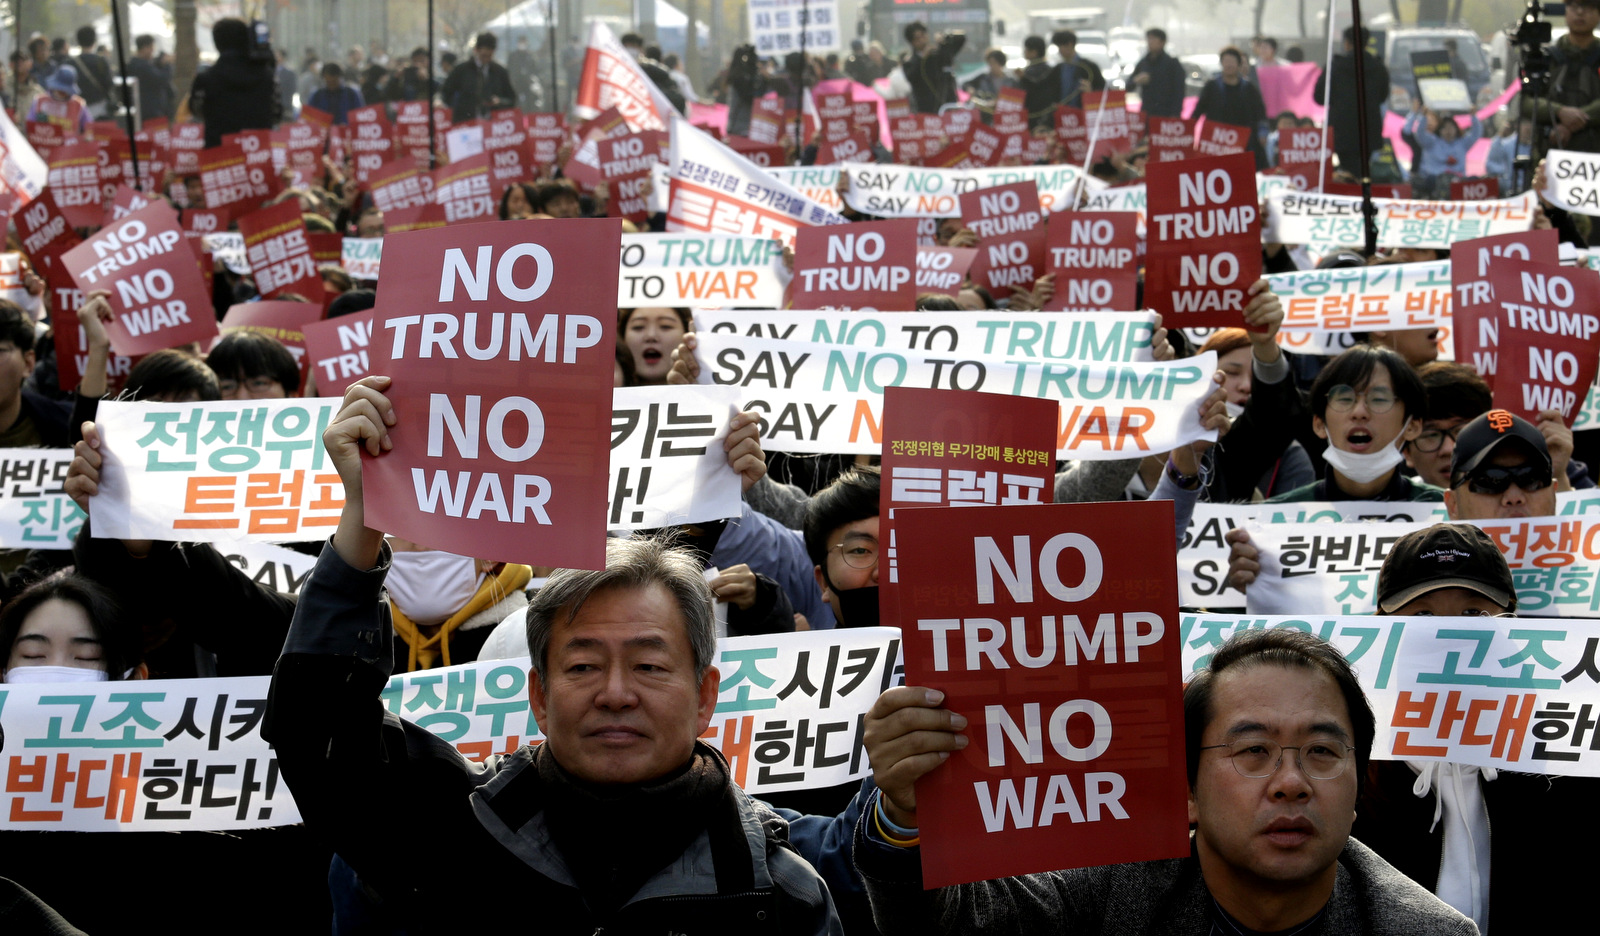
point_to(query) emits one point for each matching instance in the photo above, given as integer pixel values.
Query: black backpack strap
(730, 848)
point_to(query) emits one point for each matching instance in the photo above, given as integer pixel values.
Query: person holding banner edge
(1271, 847)
(622, 686)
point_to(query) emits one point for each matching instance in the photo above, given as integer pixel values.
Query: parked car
(1401, 42)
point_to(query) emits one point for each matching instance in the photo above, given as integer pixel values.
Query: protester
(650, 335)
(238, 92)
(60, 104)
(1233, 99)
(927, 67)
(253, 366)
(1343, 105)
(1501, 469)
(1272, 849)
(1075, 73)
(94, 75)
(988, 84)
(67, 629)
(27, 418)
(156, 97)
(1443, 155)
(480, 86)
(1159, 78)
(335, 97)
(516, 204)
(411, 83)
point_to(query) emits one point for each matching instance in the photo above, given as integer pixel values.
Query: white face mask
(429, 587)
(18, 675)
(1367, 467)
(1234, 410)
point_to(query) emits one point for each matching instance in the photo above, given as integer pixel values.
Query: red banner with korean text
(230, 182)
(502, 390)
(279, 253)
(75, 180)
(462, 189)
(1076, 753)
(1204, 229)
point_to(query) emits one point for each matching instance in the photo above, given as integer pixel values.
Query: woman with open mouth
(648, 336)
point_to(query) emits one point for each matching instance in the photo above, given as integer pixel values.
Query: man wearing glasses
(1279, 734)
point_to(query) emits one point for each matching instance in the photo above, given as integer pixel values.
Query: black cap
(1445, 555)
(1480, 438)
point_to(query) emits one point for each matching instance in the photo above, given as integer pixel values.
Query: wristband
(1179, 478)
(895, 835)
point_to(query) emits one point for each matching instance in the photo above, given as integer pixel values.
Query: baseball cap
(1445, 555)
(1480, 438)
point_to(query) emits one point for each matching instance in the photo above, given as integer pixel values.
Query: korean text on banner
(502, 390)
(1572, 181)
(942, 448)
(1549, 337)
(1335, 220)
(867, 265)
(667, 463)
(698, 270)
(1205, 240)
(117, 762)
(1107, 410)
(776, 26)
(35, 511)
(612, 78)
(279, 254)
(717, 191)
(1077, 750)
(158, 297)
(218, 471)
(1490, 692)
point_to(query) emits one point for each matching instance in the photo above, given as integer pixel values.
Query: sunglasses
(1528, 478)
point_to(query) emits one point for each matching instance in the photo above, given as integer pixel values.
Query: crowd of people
(623, 820)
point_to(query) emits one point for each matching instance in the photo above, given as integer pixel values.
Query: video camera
(261, 43)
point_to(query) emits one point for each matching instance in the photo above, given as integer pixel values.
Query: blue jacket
(1439, 157)
(779, 553)
(338, 103)
(1501, 160)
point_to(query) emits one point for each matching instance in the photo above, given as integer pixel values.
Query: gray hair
(633, 563)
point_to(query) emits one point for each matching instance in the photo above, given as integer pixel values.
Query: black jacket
(353, 767)
(1344, 110)
(1239, 105)
(234, 95)
(1163, 95)
(469, 96)
(155, 88)
(932, 85)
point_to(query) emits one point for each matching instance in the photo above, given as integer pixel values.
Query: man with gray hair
(622, 820)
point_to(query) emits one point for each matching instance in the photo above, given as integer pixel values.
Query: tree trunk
(1302, 17)
(1260, 7)
(185, 46)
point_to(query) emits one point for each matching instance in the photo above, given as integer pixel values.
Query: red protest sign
(857, 266)
(762, 154)
(508, 165)
(1305, 154)
(336, 351)
(958, 448)
(230, 182)
(1171, 138)
(371, 140)
(158, 297)
(1106, 115)
(1474, 189)
(1054, 631)
(1073, 131)
(462, 189)
(198, 222)
(1204, 240)
(282, 320)
(257, 146)
(1011, 238)
(1474, 313)
(110, 169)
(44, 230)
(125, 201)
(1549, 336)
(942, 269)
(503, 442)
(399, 184)
(1220, 139)
(906, 134)
(546, 132)
(854, 148)
(280, 258)
(75, 180)
(625, 164)
(504, 130)
(1010, 113)
(986, 145)
(304, 142)
(72, 344)
(413, 218)
(1093, 257)
(188, 142)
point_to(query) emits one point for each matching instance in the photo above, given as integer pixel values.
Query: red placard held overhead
(625, 164)
(125, 201)
(1009, 223)
(257, 146)
(1204, 240)
(158, 296)
(956, 448)
(462, 189)
(75, 180)
(869, 265)
(1010, 113)
(502, 354)
(1305, 155)
(188, 142)
(1549, 336)
(942, 269)
(508, 165)
(1474, 313)
(279, 253)
(1474, 189)
(337, 351)
(762, 154)
(1220, 139)
(399, 184)
(1093, 256)
(371, 140)
(1171, 139)
(504, 130)
(72, 344)
(230, 182)
(304, 142)
(44, 230)
(414, 218)
(546, 132)
(1054, 631)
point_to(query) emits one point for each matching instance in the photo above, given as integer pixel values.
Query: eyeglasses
(1343, 398)
(1258, 758)
(253, 384)
(1495, 480)
(1432, 439)
(858, 554)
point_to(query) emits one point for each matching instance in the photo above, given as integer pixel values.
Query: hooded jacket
(353, 766)
(236, 94)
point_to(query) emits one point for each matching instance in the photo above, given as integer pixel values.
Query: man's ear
(822, 582)
(1194, 809)
(1450, 504)
(1319, 427)
(537, 700)
(710, 683)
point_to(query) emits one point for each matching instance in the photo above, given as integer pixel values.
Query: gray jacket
(1151, 897)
